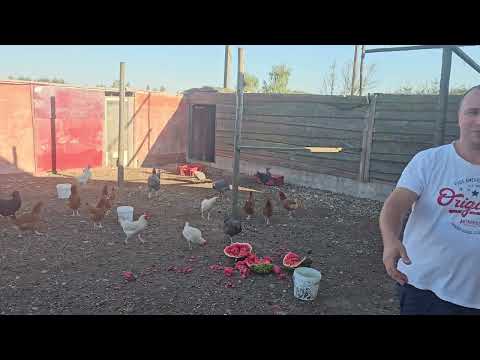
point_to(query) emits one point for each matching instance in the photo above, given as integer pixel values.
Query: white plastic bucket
(125, 213)
(306, 281)
(64, 191)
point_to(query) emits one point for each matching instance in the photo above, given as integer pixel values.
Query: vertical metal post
(443, 97)
(228, 64)
(238, 129)
(53, 132)
(362, 59)
(354, 70)
(121, 122)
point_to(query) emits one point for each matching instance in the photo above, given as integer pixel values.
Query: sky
(186, 66)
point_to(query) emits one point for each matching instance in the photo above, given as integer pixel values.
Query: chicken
(97, 213)
(221, 186)
(74, 200)
(105, 190)
(193, 235)
(289, 205)
(264, 177)
(106, 200)
(268, 211)
(153, 183)
(86, 175)
(207, 205)
(30, 220)
(249, 206)
(231, 227)
(11, 206)
(132, 228)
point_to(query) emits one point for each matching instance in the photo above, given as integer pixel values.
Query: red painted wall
(16, 130)
(166, 116)
(79, 127)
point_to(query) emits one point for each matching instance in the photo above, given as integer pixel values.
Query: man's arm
(397, 205)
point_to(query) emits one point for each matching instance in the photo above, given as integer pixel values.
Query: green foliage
(277, 80)
(251, 83)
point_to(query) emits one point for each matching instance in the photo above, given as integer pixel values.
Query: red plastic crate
(189, 169)
(275, 180)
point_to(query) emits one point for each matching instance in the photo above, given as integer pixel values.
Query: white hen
(132, 228)
(193, 235)
(207, 205)
(86, 175)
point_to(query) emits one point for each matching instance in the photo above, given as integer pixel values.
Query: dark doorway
(202, 142)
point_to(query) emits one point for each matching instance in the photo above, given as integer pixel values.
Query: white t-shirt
(442, 235)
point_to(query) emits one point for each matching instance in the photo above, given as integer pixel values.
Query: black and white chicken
(264, 177)
(153, 183)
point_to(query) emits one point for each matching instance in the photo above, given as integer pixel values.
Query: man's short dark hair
(476, 87)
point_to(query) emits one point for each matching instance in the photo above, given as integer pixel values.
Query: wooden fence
(379, 133)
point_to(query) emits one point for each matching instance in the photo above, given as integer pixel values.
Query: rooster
(153, 183)
(30, 220)
(207, 205)
(193, 235)
(231, 227)
(268, 211)
(97, 213)
(11, 206)
(74, 200)
(132, 228)
(249, 206)
(290, 205)
(86, 175)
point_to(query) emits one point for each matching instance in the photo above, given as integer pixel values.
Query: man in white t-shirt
(437, 266)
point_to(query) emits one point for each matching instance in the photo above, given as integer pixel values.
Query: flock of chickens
(231, 226)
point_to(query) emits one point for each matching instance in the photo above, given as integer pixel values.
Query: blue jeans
(414, 301)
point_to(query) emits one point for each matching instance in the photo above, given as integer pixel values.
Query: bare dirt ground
(75, 269)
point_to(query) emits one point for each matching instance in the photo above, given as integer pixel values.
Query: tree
(278, 80)
(23, 78)
(431, 87)
(251, 83)
(368, 79)
(329, 81)
(54, 80)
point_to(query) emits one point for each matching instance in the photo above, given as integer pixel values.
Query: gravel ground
(74, 269)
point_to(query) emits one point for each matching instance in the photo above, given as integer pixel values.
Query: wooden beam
(443, 98)
(354, 71)
(367, 142)
(312, 149)
(228, 64)
(362, 60)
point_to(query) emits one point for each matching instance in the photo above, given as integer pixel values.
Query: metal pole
(405, 48)
(462, 55)
(362, 59)
(121, 122)
(443, 98)
(354, 71)
(53, 132)
(228, 64)
(238, 129)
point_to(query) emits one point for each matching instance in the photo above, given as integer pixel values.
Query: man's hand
(391, 254)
